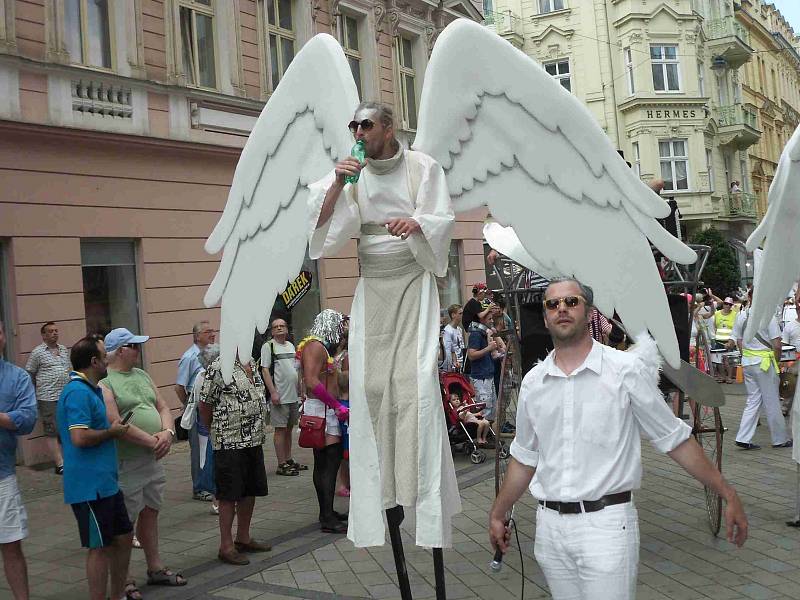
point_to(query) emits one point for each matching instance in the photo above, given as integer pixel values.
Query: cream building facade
(121, 122)
(666, 80)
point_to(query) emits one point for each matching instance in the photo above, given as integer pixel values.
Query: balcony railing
(740, 205)
(735, 114)
(503, 23)
(726, 27)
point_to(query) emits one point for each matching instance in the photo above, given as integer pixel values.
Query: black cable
(521, 559)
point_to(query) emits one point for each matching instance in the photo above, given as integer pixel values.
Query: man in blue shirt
(188, 368)
(480, 348)
(17, 417)
(90, 470)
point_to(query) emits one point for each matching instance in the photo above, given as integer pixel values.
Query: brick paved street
(679, 558)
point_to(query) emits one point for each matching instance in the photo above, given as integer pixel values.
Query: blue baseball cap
(116, 338)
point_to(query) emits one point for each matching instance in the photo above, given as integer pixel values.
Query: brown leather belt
(575, 508)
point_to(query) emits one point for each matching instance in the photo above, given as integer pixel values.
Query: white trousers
(589, 556)
(762, 390)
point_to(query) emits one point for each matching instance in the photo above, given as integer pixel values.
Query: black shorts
(240, 473)
(100, 521)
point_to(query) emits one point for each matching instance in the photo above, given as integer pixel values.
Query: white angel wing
(510, 137)
(781, 227)
(298, 138)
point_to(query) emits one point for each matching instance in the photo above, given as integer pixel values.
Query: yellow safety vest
(723, 325)
(767, 358)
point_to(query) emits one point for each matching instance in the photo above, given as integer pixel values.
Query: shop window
(559, 69)
(281, 36)
(110, 288)
(666, 75)
(87, 32)
(352, 48)
(449, 286)
(546, 6)
(408, 81)
(674, 164)
(197, 42)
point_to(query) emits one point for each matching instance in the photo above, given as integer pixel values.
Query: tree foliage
(722, 272)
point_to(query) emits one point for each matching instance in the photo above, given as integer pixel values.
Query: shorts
(484, 392)
(316, 408)
(101, 520)
(142, 481)
(47, 417)
(240, 473)
(13, 516)
(284, 415)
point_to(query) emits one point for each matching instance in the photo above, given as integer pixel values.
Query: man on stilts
(400, 209)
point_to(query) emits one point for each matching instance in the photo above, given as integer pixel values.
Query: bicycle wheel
(708, 432)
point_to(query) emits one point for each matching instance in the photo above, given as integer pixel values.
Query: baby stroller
(462, 435)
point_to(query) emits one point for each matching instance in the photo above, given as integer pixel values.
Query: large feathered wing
(298, 138)
(511, 138)
(780, 262)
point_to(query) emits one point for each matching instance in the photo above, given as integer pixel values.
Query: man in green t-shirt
(128, 389)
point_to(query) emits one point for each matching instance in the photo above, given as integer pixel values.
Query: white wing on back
(511, 138)
(298, 138)
(781, 228)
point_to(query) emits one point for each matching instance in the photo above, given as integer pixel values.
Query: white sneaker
(136, 543)
(214, 508)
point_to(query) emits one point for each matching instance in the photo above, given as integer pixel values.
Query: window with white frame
(281, 36)
(627, 56)
(637, 159)
(666, 74)
(87, 32)
(449, 286)
(710, 169)
(197, 42)
(701, 78)
(352, 48)
(559, 69)
(408, 77)
(674, 164)
(546, 6)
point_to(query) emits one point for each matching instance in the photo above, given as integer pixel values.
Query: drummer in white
(760, 357)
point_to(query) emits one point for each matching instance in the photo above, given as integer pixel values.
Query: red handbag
(312, 432)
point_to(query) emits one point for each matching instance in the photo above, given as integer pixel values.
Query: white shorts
(13, 517)
(316, 408)
(142, 481)
(484, 392)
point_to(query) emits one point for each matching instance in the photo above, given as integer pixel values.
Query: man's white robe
(415, 188)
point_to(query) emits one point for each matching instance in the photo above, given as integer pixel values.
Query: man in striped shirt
(48, 366)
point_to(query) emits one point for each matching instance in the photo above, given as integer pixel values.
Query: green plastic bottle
(359, 153)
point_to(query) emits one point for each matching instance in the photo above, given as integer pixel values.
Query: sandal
(296, 465)
(286, 470)
(165, 577)
(131, 591)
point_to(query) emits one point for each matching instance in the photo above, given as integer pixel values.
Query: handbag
(312, 432)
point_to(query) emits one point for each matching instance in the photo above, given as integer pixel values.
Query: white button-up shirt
(581, 431)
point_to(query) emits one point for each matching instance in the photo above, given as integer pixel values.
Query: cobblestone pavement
(679, 557)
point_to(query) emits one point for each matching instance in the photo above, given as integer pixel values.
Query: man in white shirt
(760, 358)
(577, 446)
(280, 377)
(453, 339)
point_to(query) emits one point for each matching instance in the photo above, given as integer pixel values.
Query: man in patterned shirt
(236, 413)
(48, 365)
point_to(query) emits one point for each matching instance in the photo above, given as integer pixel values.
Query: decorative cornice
(380, 17)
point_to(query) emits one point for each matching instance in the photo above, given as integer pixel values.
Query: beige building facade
(121, 122)
(666, 80)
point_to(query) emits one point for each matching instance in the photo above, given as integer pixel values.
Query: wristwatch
(172, 431)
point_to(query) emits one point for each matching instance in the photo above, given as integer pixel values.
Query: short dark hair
(453, 309)
(46, 325)
(84, 350)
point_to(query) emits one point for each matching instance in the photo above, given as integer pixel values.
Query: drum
(734, 358)
(716, 355)
(788, 353)
(788, 385)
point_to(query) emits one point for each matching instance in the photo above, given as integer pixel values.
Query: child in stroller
(464, 423)
(466, 416)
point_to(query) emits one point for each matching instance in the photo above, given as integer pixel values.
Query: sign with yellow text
(297, 289)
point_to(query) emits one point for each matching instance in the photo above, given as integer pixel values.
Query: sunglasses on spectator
(569, 302)
(365, 125)
(133, 346)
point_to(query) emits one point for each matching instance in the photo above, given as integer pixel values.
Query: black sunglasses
(365, 125)
(133, 346)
